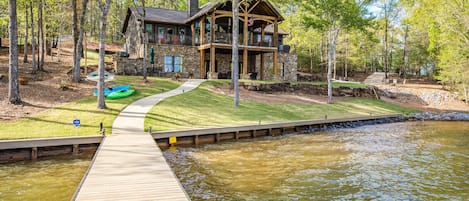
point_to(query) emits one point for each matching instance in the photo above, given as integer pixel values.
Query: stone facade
(287, 66)
(133, 39)
(134, 66)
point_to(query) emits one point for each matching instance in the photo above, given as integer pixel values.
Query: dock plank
(129, 165)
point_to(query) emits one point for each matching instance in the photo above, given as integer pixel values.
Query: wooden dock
(129, 165)
(219, 134)
(31, 149)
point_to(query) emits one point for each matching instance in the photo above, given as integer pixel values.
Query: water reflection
(54, 178)
(410, 161)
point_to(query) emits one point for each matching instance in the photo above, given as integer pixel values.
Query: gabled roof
(166, 16)
(156, 15)
(203, 10)
(264, 5)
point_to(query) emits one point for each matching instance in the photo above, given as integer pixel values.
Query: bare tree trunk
(346, 56)
(334, 32)
(145, 43)
(311, 61)
(321, 62)
(235, 56)
(75, 33)
(78, 36)
(13, 86)
(102, 34)
(385, 41)
(406, 58)
(33, 42)
(41, 38)
(25, 48)
(59, 42)
(390, 51)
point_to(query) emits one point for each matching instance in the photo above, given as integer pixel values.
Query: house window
(172, 63)
(149, 28)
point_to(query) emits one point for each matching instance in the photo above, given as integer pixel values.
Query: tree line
(332, 37)
(406, 37)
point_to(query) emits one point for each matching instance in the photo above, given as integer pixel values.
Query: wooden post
(202, 63)
(212, 59)
(193, 33)
(75, 149)
(202, 30)
(245, 62)
(237, 135)
(262, 67)
(275, 42)
(212, 31)
(196, 140)
(34, 153)
(245, 42)
(217, 137)
(270, 132)
(253, 133)
(262, 34)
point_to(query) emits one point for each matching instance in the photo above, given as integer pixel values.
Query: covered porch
(212, 32)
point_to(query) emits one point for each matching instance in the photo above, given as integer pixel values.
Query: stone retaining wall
(369, 92)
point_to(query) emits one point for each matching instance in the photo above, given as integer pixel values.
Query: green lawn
(58, 121)
(203, 108)
(93, 58)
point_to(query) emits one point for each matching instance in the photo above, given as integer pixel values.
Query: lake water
(54, 178)
(398, 161)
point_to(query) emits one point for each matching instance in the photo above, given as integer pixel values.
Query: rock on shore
(452, 116)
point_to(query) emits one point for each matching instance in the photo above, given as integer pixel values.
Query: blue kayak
(109, 90)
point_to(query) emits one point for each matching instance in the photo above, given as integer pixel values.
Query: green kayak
(120, 94)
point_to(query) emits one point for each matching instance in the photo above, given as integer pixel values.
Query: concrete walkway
(375, 79)
(129, 165)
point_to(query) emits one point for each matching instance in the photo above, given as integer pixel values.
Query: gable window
(172, 63)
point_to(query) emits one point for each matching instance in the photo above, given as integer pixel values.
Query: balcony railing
(220, 37)
(172, 39)
(226, 38)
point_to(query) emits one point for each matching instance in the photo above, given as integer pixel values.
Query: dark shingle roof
(161, 15)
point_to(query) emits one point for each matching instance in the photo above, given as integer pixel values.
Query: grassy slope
(203, 108)
(58, 121)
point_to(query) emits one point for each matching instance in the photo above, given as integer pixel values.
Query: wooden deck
(129, 165)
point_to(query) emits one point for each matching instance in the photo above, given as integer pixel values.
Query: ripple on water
(54, 178)
(405, 161)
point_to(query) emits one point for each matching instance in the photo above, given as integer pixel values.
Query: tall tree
(40, 25)
(332, 16)
(25, 48)
(76, 68)
(33, 40)
(78, 34)
(235, 55)
(104, 7)
(13, 86)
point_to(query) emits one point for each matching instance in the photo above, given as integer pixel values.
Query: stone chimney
(192, 7)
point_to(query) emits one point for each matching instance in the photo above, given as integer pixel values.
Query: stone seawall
(452, 116)
(368, 92)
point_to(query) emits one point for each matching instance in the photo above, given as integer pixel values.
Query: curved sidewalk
(129, 165)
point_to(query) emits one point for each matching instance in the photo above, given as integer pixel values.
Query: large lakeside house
(198, 42)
